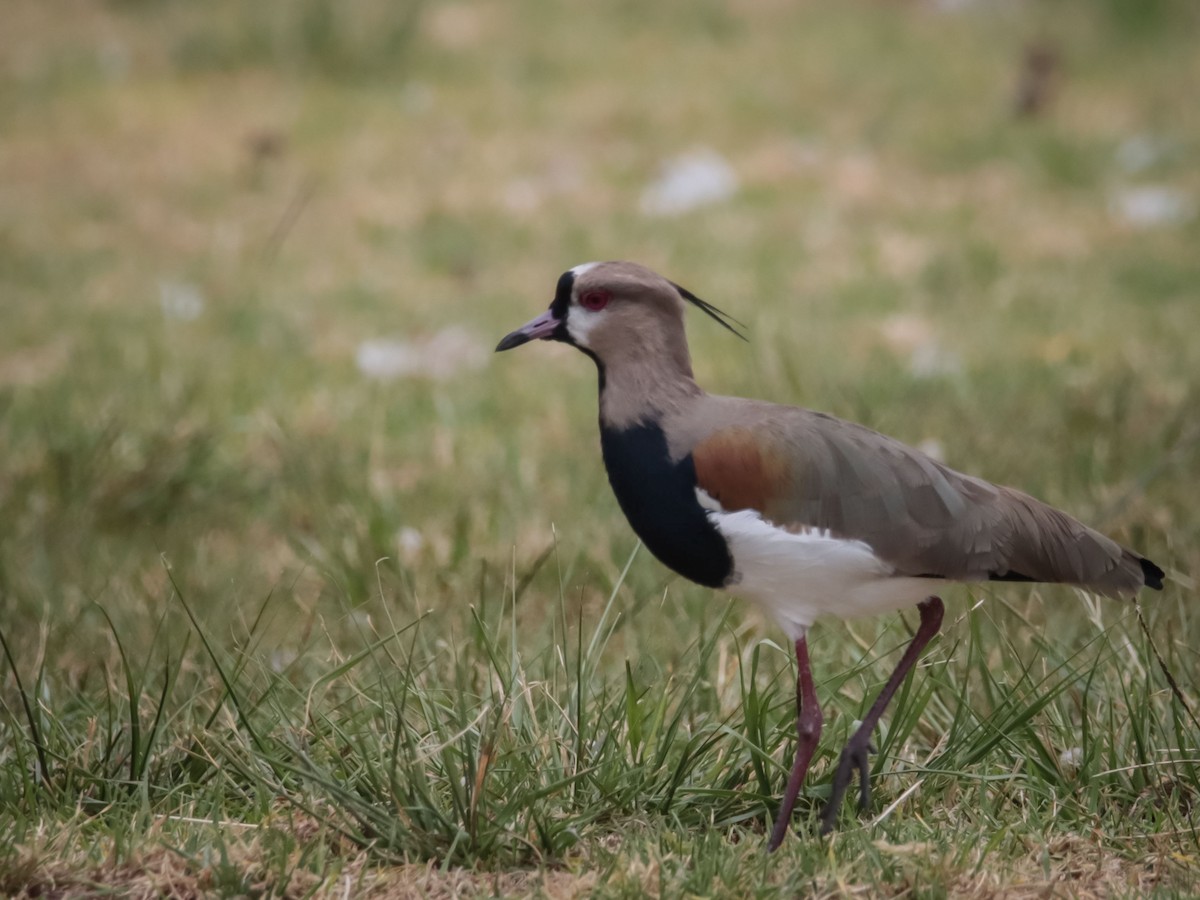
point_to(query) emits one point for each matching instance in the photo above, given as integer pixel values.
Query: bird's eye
(594, 300)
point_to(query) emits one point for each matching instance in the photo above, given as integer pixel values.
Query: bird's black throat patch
(658, 497)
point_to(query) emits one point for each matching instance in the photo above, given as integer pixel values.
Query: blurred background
(254, 258)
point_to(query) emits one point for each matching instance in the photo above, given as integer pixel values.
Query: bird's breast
(658, 496)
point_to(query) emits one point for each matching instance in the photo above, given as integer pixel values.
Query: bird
(805, 514)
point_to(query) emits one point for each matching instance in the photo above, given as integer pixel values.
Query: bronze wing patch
(741, 469)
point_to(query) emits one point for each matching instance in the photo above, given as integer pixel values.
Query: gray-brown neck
(644, 377)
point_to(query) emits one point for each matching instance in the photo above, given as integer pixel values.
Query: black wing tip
(1152, 573)
(723, 318)
(1010, 576)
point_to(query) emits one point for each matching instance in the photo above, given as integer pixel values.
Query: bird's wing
(804, 469)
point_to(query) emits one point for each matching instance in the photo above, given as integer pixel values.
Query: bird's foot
(854, 756)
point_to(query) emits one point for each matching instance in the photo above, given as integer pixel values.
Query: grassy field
(275, 626)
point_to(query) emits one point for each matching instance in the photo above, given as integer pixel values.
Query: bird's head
(617, 313)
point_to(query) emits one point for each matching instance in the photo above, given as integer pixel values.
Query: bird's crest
(720, 316)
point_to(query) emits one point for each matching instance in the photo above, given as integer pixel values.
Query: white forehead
(583, 268)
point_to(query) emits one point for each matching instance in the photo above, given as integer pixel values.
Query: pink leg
(855, 754)
(808, 727)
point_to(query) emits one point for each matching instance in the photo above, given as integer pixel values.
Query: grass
(271, 627)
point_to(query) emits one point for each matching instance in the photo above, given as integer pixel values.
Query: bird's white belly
(797, 575)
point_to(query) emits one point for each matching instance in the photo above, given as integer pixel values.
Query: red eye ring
(595, 300)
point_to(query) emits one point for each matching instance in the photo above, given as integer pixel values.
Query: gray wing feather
(922, 517)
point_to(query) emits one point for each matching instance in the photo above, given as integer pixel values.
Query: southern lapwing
(803, 513)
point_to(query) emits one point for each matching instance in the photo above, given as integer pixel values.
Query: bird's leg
(854, 756)
(808, 729)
